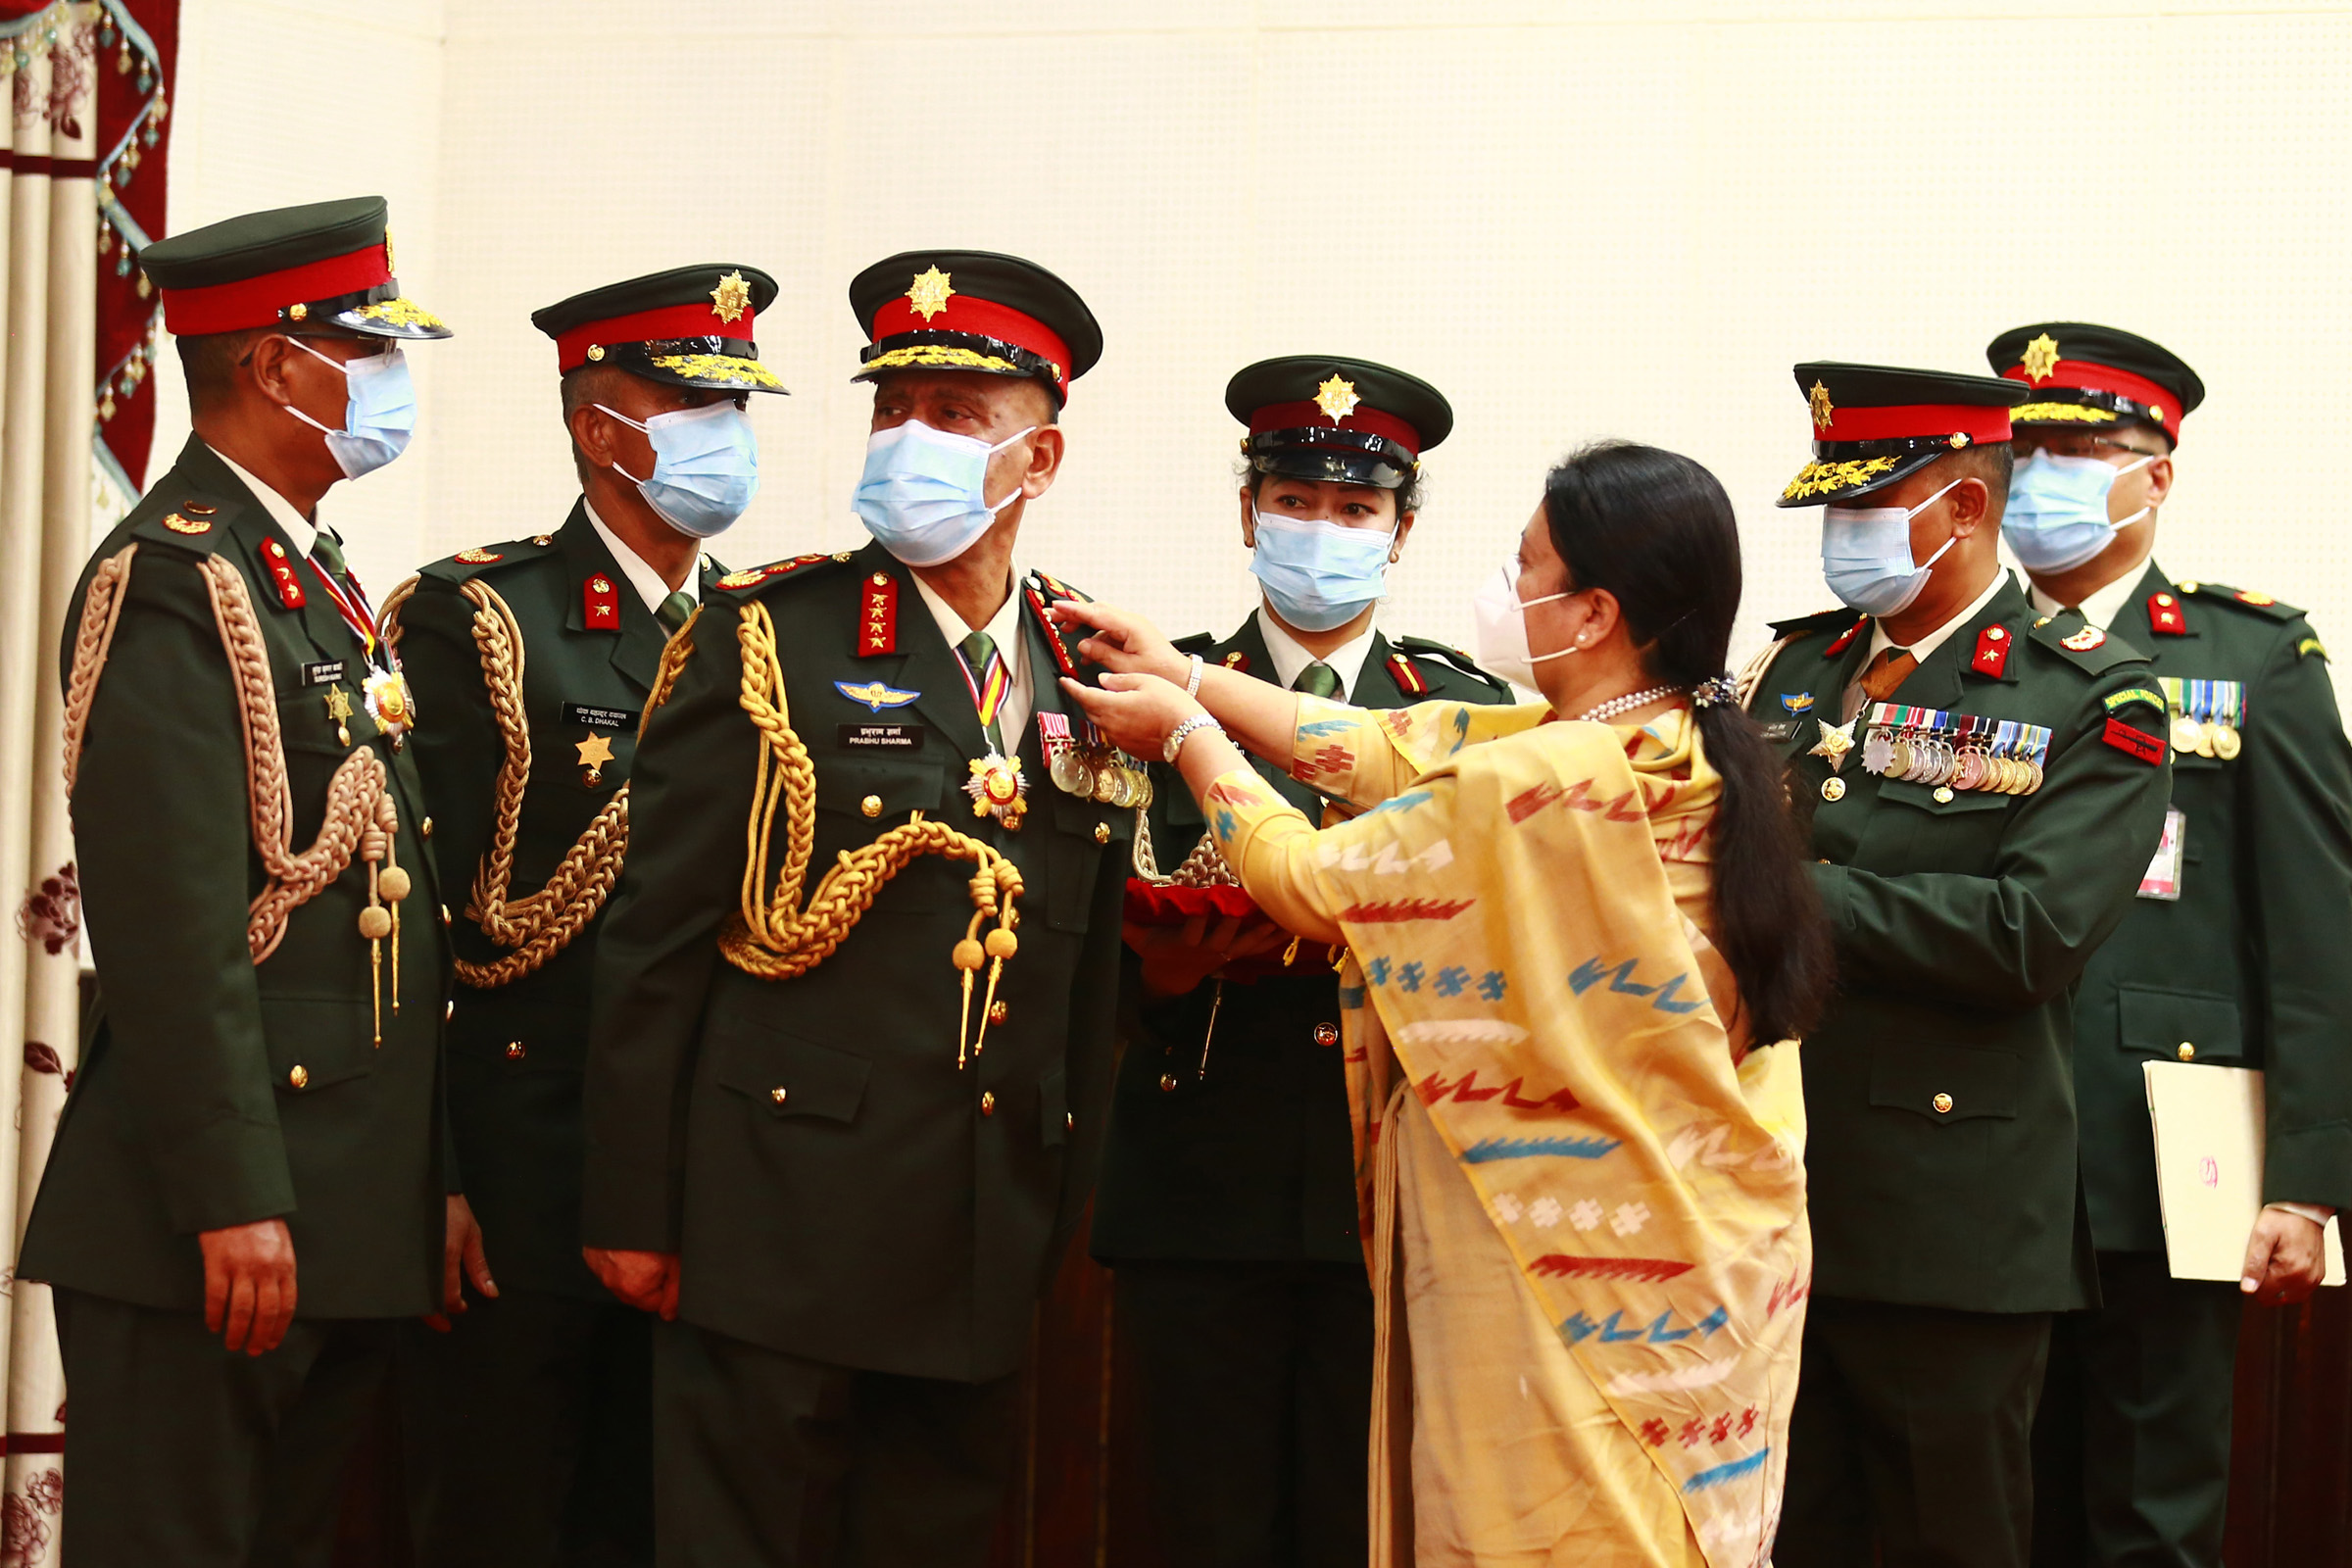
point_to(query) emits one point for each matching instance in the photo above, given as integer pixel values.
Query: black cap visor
(378, 312)
(1331, 455)
(1846, 470)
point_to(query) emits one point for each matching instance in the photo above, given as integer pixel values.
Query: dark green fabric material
(1961, 927)
(251, 244)
(1909, 1447)
(185, 1453)
(182, 1117)
(877, 1218)
(1257, 1385)
(1252, 1158)
(528, 1434)
(2249, 964)
(517, 1115)
(763, 1458)
(2132, 1439)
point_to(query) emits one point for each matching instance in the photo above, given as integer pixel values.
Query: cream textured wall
(1580, 219)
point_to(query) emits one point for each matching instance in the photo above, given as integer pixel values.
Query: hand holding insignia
(1122, 642)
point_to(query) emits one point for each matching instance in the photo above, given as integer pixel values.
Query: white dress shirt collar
(1290, 658)
(1921, 647)
(651, 585)
(1005, 630)
(2101, 605)
(301, 532)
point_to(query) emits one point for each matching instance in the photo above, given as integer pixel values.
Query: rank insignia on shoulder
(878, 618)
(1408, 679)
(1992, 652)
(1036, 601)
(2247, 596)
(2133, 743)
(1796, 702)
(600, 603)
(189, 525)
(1238, 660)
(2083, 641)
(753, 576)
(2164, 615)
(874, 695)
(477, 556)
(1846, 638)
(281, 572)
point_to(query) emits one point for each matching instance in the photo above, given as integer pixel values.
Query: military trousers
(527, 1435)
(185, 1453)
(2132, 1442)
(1258, 1408)
(767, 1460)
(1910, 1446)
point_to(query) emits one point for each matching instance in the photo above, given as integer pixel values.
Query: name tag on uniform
(599, 717)
(882, 737)
(325, 673)
(1779, 729)
(2163, 880)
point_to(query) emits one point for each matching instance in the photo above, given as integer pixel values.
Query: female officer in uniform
(1227, 1205)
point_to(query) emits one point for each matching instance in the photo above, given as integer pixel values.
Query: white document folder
(2209, 1131)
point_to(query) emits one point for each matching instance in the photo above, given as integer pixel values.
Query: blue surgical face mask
(922, 493)
(1866, 555)
(2057, 514)
(379, 419)
(706, 466)
(1319, 574)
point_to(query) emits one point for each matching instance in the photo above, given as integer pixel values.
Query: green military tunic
(215, 1091)
(838, 1187)
(1244, 1156)
(1940, 1142)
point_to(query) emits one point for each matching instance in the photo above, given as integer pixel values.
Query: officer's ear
(1044, 461)
(592, 434)
(2159, 477)
(269, 361)
(1970, 502)
(1249, 512)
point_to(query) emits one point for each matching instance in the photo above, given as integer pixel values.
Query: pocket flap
(315, 1042)
(1924, 796)
(2178, 1025)
(846, 784)
(1944, 1083)
(796, 1077)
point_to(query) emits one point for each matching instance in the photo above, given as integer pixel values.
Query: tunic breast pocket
(317, 1042)
(882, 792)
(1922, 828)
(2179, 1025)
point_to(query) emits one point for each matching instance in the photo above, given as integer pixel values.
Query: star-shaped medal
(594, 751)
(1336, 398)
(2040, 358)
(929, 293)
(1836, 741)
(731, 298)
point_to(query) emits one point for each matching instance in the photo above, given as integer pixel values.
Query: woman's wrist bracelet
(1184, 733)
(1191, 679)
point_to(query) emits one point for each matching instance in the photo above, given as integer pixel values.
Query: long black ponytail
(1656, 531)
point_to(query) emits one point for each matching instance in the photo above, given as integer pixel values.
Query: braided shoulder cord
(771, 936)
(93, 639)
(1744, 683)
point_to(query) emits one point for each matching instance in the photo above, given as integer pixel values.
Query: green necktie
(673, 611)
(979, 651)
(329, 555)
(1317, 679)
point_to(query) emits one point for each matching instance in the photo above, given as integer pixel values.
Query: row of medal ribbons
(1956, 751)
(2207, 715)
(1092, 769)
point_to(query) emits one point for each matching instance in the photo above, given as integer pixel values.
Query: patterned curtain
(86, 84)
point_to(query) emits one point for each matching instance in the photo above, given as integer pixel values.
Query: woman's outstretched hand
(1137, 712)
(1122, 641)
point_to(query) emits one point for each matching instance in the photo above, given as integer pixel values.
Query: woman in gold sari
(1579, 945)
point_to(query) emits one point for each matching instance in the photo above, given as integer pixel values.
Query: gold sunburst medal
(1818, 400)
(2040, 358)
(930, 292)
(1336, 398)
(731, 298)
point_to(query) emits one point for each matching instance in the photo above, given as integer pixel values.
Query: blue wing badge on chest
(875, 694)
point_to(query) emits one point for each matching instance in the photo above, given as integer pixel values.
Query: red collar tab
(589, 339)
(1236, 661)
(966, 313)
(1992, 652)
(1846, 640)
(878, 620)
(2164, 615)
(599, 596)
(2082, 375)
(283, 572)
(256, 301)
(1309, 415)
(1036, 601)
(1408, 676)
(1959, 423)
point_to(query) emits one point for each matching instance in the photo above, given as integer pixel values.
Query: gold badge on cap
(731, 298)
(179, 524)
(1336, 399)
(2040, 358)
(388, 266)
(930, 292)
(1818, 400)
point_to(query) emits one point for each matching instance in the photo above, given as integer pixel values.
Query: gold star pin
(2040, 358)
(1819, 401)
(594, 751)
(929, 293)
(1336, 399)
(731, 298)
(388, 266)
(1836, 741)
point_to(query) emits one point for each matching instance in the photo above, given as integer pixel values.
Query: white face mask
(1866, 555)
(1502, 620)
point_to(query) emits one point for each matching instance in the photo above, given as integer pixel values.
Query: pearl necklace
(1626, 704)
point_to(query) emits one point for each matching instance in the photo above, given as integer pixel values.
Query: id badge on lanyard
(2163, 880)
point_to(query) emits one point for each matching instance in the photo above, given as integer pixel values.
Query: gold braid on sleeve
(771, 936)
(542, 924)
(360, 816)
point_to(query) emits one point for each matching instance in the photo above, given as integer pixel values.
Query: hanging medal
(384, 690)
(1065, 763)
(997, 785)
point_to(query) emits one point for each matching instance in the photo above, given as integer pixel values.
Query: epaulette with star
(1039, 593)
(2260, 604)
(470, 563)
(2090, 649)
(775, 572)
(1840, 619)
(198, 523)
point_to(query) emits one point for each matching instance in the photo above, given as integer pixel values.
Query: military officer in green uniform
(248, 1189)
(528, 1424)
(853, 1039)
(1984, 784)
(1228, 1198)
(2234, 954)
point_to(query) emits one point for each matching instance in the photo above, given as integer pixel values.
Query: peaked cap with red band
(1874, 425)
(2082, 377)
(974, 310)
(689, 326)
(323, 265)
(1340, 420)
